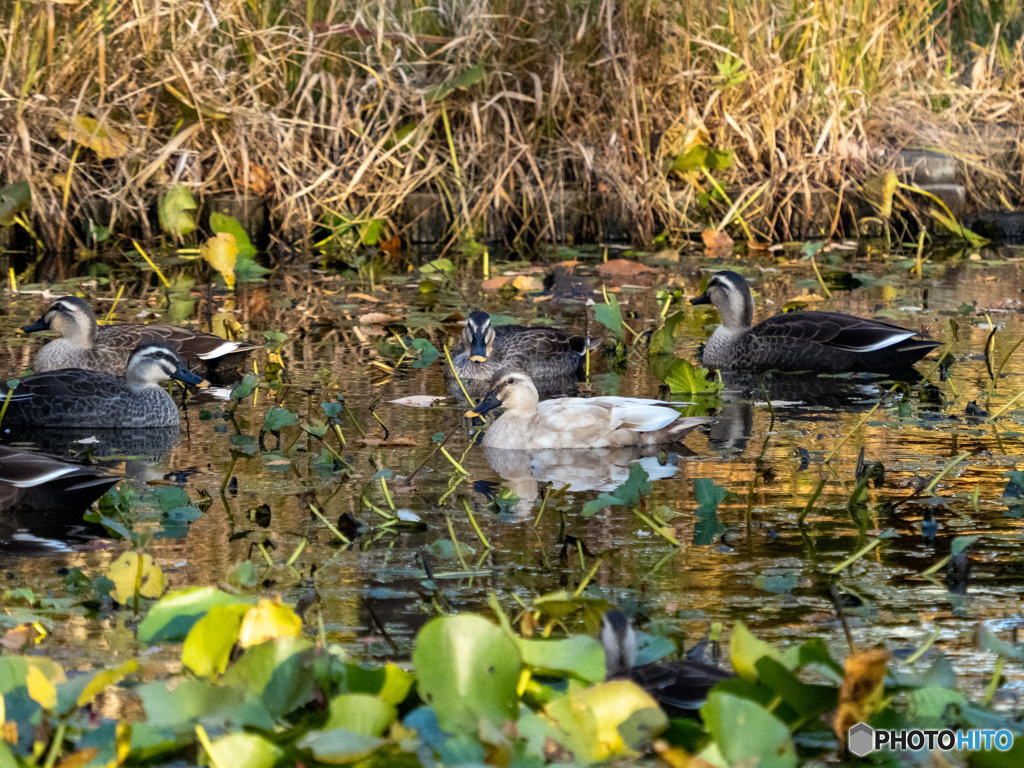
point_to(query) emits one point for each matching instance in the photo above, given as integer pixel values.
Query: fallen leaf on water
(377, 318)
(715, 239)
(364, 297)
(221, 251)
(417, 401)
(15, 638)
(495, 283)
(624, 268)
(389, 441)
(526, 283)
(807, 297)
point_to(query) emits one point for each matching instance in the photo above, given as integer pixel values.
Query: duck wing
(74, 383)
(832, 329)
(682, 686)
(539, 342)
(205, 346)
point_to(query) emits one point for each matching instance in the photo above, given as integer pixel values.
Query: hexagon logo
(860, 739)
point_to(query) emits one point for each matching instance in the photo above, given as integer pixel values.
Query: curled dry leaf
(624, 268)
(106, 142)
(862, 691)
(526, 283)
(495, 283)
(715, 239)
(364, 297)
(377, 318)
(808, 297)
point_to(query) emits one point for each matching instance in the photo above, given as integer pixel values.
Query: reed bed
(334, 111)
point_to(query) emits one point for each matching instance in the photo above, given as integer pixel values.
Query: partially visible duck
(576, 422)
(823, 342)
(75, 397)
(538, 352)
(37, 482)
(85, 344)
(680, 687)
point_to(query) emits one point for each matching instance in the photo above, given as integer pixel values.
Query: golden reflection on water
(759, 459)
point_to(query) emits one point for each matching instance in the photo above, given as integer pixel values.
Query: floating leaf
(244, 750)
(172, 210)
(207, 648)
(277, 419)
(268, 620)
(663, 342)
(338, 745)
(745, 733)
(106, 142)
(610, 316)
(438, 266)
(104, 678)
(745, 650)
(361, 713)
(467, 670)
(685, 378)
(221, 251)
(580, 655)
(221, 223)
(125, 571)
(716, 240)
(171, 619)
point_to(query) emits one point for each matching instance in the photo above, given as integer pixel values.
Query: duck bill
(478, 351)
(702, 299)
(185, 375)
(489, 403)
(38, 325)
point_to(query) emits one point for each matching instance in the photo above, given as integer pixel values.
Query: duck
(539, 352)
(39, 482)
(78, 397)
(820, 342)
(576, 422)
(86, 344)
(680, 687)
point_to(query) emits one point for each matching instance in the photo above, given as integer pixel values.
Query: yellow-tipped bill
(471, 415)
(478, 358)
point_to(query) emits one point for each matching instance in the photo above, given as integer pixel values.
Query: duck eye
(510, 381)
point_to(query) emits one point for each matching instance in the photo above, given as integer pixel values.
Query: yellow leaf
(105, 678)
(269, 619)
(745, 651)
(125, 573)
(221, 251)
(863, 688)
(105, 142)
(526, 283)
(41, 690)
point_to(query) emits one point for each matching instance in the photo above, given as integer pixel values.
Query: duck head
(731, 296)
(153, 361)
(513, 391)
(478, 336)
(619, 641)
(71, 317)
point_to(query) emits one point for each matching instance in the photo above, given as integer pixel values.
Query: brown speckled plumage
(823, 342)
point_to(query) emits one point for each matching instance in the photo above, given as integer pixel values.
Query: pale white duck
(576, 422)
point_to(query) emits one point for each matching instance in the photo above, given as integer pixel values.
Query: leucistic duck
(538, 352)
(85, 344)
(576, 422)
(680, 687)
(822, 342)
(75, 397)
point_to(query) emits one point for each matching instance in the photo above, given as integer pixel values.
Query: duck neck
(79, 334)
(738, 312)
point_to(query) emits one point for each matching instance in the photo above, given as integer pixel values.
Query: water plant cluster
(757, 118)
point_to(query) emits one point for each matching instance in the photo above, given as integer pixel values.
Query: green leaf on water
(437, 266)
(171, 498)
(245, 387)
(628, 494)
(361, 713)
(338, 745)
(960, 543)
(208, 646)
(244, 749)
(445, 550)
(744, 732)
(172, 210)
(467, 670)
(171, 619)
(278, 418)
(610, 316)
(428, 353)
(248, 271)
(685, 378)
(663, 342)
(581, 656)
(709, 495)
(779, 584)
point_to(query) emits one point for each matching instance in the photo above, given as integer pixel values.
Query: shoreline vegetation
(756, 118)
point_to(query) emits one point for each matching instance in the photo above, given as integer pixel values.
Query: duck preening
(680, 687)
(538, 352)
(576, 422)
(75, 397)
(824, 342)
(85, 344)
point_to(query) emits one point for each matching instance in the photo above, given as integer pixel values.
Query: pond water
(762, 566)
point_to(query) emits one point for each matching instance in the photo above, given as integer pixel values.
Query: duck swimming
(75, 397)
(38, 482)
(85, 344)
(538, 352)
(680, 687)
(823, 342)
(576, 422)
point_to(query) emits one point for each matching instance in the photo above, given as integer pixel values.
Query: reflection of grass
(336, 112)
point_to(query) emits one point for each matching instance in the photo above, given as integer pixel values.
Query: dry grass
(328, 108)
